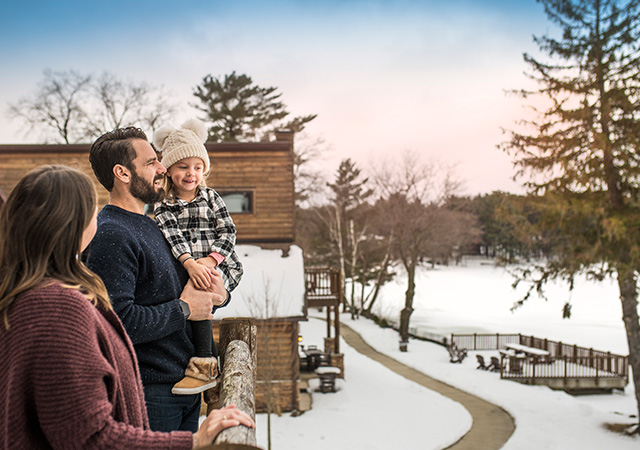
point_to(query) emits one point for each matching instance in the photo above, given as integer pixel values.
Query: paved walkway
(492, 426)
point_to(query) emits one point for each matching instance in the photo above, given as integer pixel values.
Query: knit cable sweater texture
(144, 282)
(69, 378)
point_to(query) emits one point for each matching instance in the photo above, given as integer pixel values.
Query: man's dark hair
(113, 148)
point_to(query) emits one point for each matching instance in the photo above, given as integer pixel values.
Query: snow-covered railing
(238, 353)
(484, 341)
(562, 362)
(322, 282)
(563, 367)
(323, 288)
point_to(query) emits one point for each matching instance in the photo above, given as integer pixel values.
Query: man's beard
(144, 191)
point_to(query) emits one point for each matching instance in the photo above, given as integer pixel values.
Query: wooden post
(233, 328)
(241, 329)
(336, 326)
(238, 388)
(328, 321)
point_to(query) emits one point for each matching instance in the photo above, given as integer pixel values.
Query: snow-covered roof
(272, 285)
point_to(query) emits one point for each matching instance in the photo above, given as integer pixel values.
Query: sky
(383, 76)
(375, 408)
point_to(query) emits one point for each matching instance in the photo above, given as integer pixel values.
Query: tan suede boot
(201, 374)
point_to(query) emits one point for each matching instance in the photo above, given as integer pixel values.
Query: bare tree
(349, 192)
(264, 305)
(70, 107)
(121, 103)
(308, 180)
(413, 194)
(55, 109)
(381, 276)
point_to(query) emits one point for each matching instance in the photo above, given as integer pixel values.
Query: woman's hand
(218, 420)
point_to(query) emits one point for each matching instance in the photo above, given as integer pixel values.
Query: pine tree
(581, 151)
(349, 192)
(243, 111)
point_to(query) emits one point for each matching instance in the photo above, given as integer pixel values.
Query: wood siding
(278, 364)
(264, 169)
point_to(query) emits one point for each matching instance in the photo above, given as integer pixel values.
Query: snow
(476, 297)
(376, 409)
(268, 275)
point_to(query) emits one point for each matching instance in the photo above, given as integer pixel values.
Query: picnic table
(526, 350)
(515, 351)
(314, 357)
(327, 375)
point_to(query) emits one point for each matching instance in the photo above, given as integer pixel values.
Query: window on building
(238, 202)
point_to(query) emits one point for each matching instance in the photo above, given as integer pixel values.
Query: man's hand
(217, 289)
(200, 302)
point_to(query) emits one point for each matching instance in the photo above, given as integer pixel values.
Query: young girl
(196, 223)
(69, 376)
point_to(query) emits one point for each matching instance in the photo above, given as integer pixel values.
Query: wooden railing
(484, 341)
(238, 353)
(322, 282)
(595, 367)
(581, 361)
(323, 288)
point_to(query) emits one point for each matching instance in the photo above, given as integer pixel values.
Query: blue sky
(383, 76)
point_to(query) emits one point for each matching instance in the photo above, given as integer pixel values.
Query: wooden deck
(323, 288)
(560, 366)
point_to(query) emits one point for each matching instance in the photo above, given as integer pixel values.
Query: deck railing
(484, 341)
(564, 360)
(238, 353)
(566, 367)
(322, 282)
(323, 288)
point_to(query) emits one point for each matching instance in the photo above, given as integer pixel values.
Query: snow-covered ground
(377, 409)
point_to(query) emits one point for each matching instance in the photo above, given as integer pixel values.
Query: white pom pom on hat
(184, 142)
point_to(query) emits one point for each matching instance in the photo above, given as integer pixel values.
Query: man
(144, 281)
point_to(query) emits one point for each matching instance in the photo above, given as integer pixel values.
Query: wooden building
(256, 181)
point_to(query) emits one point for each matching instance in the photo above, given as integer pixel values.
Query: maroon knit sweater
(69, 378)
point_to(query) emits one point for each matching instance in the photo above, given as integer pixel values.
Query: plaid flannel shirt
(200, 227)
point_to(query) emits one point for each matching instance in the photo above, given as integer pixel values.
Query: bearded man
(149, 289)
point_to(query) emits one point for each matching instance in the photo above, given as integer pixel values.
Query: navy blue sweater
(144, 282)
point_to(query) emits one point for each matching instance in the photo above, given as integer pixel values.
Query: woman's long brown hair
(41, 227)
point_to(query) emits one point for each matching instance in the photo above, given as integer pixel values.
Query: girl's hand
(200, 274)
(208, 261)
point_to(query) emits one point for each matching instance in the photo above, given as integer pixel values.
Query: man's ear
(121, 173)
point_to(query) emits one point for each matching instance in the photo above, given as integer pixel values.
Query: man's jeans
(169, 412)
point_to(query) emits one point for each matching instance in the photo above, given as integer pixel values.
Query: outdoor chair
(456, 355)
(481, 364)
(495, 365)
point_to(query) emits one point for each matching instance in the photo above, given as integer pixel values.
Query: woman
(68, 373)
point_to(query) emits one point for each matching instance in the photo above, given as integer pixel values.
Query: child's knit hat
(184, 142)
